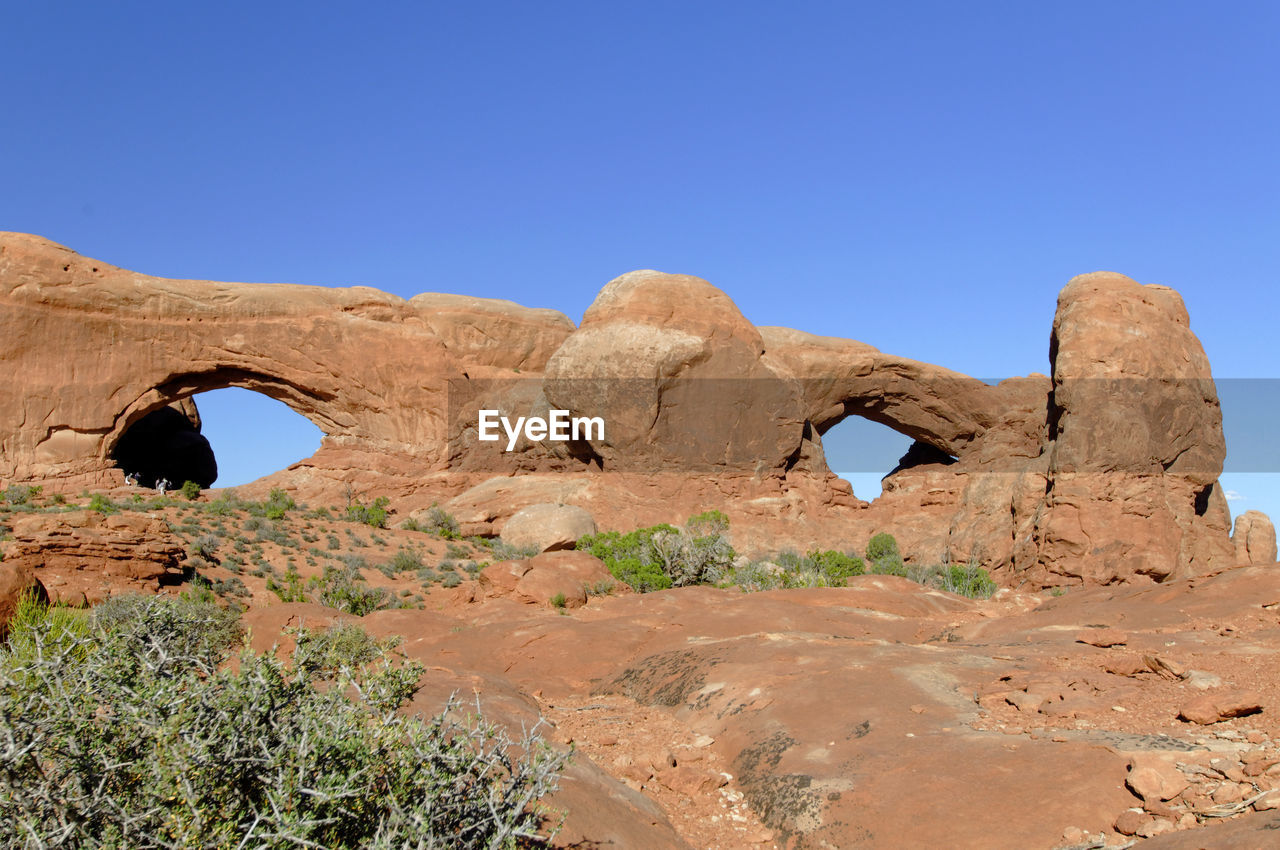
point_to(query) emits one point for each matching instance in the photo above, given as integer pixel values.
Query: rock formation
(1254, 538)
(85, 556)
(1104, 472)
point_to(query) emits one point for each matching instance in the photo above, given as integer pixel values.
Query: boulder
(542, 579)
(547, 527)
(677, 373)
(1254, 538)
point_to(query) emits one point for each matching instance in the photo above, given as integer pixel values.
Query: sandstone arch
(93, 348)
(706, 409)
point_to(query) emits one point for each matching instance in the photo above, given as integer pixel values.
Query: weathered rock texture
(85, 556)
(1105, 472)
(1254, 538)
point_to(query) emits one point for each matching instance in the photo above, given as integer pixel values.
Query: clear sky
(920, 176)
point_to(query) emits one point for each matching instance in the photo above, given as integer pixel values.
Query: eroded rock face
(1105, 472)
(1254, 538)
(86, 556)
(370, 369)
(1136, 440)
(679, 376)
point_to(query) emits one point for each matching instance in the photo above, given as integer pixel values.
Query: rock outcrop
(86, 556)
(1104, 472)
(1136, 443)
(1254, 538)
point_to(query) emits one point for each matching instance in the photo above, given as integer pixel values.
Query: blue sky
(920, 176)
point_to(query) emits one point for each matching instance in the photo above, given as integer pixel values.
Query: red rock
(1254, 537)
(81, 555)
(1118, 490)
(1103, 637)
(544, 578)
(1154, 778)
(1137, 441)
(547, 527)
(1131, 820)
(1213, 707)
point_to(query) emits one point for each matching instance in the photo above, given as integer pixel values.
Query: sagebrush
(137, 734)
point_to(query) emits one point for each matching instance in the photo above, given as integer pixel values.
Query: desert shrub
(206, 546)
(342, 646)
(968, 580)
(138, 735)
(559, 601)
(663, 556)
(755, 576)
(437, 521)
(19, 494)
(278, 503)
(271, 533)
(604, 587)
(629, 556)
(34, 619)
(817, 568)
(500, 550)
(837, 566)
(374, 515)
(290, 588)
(404, 561)
(102, 504)
(190, 490)
(347, 591)
(884, 557)
(451, 579)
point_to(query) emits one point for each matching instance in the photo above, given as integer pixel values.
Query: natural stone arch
(370, 369)
(306, 403)
(947, 410)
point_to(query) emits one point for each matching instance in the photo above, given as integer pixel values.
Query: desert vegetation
(125, 726)
(662, 556)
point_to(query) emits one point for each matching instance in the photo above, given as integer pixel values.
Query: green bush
(102, 504)
(404, 561)
(663, 556)
(34, 619)
(374, 515)
(818, 568)
(837, 566)
(139, 735)
(278, 503)
(968, 580)
(882, 552)
(191, 490)
(206, 546)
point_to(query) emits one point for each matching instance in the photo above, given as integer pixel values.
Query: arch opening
(253, 434)
(257, 424)
(864, 453)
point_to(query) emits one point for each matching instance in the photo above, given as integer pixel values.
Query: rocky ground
(884, 714)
